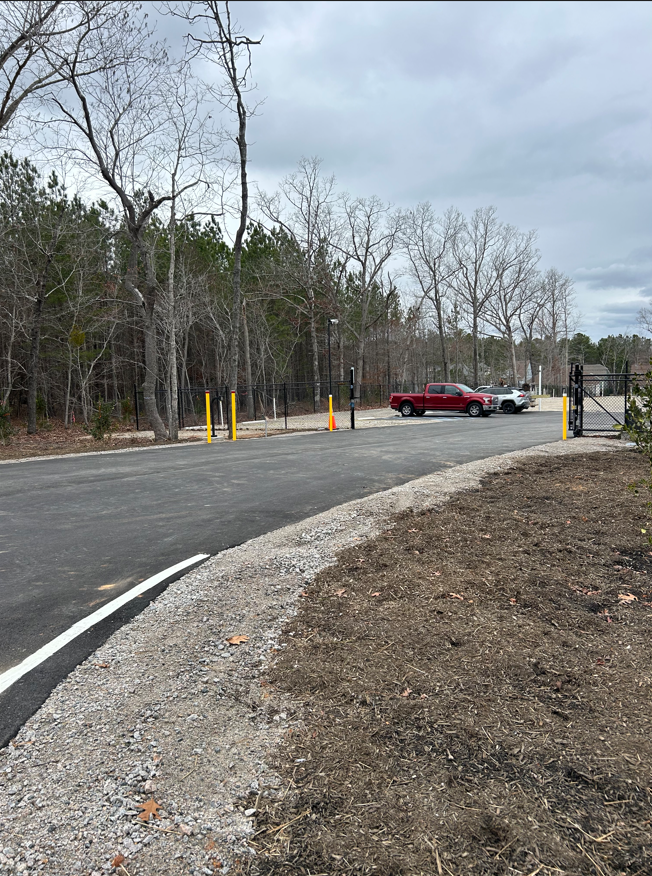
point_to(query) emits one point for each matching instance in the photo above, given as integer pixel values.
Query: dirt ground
(474, 687)
(53, 439)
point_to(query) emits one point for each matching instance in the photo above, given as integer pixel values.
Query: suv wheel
(474, 409)
(406, 409)
(509, 407)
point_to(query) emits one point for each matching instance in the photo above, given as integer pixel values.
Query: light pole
(330, 379)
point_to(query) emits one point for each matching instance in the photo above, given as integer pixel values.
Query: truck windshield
(464, 388)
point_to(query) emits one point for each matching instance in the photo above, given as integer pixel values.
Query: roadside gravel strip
(167, 709)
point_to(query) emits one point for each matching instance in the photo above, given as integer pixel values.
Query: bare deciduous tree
(369, 234)
(303, 209)
(37, 41)
(513, 274)
(475, 282)
(429, 242)
(127, 137)
(225, 45)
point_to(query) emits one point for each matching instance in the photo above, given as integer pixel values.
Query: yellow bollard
(565, 426)
(330, 413)
(208, 417)
(233, 415)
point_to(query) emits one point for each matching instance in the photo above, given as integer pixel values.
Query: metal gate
(598, 402)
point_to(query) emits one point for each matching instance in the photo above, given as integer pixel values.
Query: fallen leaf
(412, 530)
(513, 601)
(101, 665)
(117, 860)
(341, 592)
(423, 697)
(485, 536)
(437, 573)
(406, 692)
(377, 593)
(237, 640)
(584, 519)
(149, 808)
(627, 597)
(568, 523)
(455, 596)
(303, 593)
(185, 829)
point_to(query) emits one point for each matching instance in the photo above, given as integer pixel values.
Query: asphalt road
(77, 532)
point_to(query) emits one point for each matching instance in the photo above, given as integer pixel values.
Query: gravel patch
(168, 709)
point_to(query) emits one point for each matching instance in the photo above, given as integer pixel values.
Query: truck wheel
(406, 409)
(474, 409)
(419, 413)
(509, 407)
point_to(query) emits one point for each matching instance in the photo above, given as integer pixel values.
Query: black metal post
(577, 421)
(285, 404)
(352, 402)
(626, 416)
(212, 403)
(136, 406)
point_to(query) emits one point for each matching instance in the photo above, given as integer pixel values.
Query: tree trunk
(173, 410)
(359, 365)
(66, 416)
(512, 346)
(9, 351)
(316, 385)
(241, 140)
(114, 377)
(151, 370)
(441, 327)
(476, 368)
(32, 368)
(247, 358)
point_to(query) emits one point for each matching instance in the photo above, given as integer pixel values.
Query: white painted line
(12, 675)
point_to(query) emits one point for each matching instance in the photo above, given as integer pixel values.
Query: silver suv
(510, 399)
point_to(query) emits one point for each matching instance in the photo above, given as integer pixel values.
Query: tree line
(148, 259)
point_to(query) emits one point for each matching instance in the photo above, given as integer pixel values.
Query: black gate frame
(578, 391)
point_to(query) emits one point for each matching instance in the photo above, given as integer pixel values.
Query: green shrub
(127, 409)
(6, 429)
(639, 428)
(101, 423)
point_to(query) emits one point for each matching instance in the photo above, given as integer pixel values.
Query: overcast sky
(541, 109)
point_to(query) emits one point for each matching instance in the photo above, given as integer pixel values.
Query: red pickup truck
(454, 397)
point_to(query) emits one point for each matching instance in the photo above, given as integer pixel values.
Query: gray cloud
(634, 272)
(542, 109)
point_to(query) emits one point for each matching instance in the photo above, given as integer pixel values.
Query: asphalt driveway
(77, 532)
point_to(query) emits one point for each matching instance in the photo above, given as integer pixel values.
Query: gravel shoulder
(167, 709)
